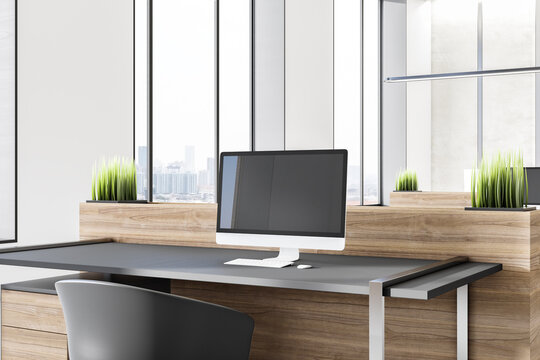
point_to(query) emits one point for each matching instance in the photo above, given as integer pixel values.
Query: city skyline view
(177, 181)
(185, 180)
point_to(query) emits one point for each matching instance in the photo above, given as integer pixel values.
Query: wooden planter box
(431, 199)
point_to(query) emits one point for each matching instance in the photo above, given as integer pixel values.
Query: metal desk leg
(376, 321)
(462, 322)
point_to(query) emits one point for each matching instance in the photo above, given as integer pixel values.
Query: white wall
(235, 75)
(293, 77)
(269, 74)
(309, 75)
(75, 106)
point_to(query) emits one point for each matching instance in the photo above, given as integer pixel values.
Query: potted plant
(115, 181)
(406, 180)
(500, 184)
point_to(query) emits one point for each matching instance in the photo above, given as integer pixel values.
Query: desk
(359, 275)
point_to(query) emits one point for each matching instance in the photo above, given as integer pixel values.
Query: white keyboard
(269, 263)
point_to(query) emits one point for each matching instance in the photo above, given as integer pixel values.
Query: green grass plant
(500, 182)
(115, 180)
(407, 181)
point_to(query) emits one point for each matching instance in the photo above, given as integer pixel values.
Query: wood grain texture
(297, 324)
(535, 286)
(41, 312)
(292, 324)
(156, 223)
(429, 233)
(24, 344)
(430, 199)
(162, 224)
(504, 308)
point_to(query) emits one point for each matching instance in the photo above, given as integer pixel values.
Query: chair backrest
(108, 321)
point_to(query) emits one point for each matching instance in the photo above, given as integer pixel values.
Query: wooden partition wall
(293, 324)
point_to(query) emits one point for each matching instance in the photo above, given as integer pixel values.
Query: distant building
(211, 170)
(141, 183)
(175, 183)
(175, 167)
(190, 159)
(203, 178)
(142, 160)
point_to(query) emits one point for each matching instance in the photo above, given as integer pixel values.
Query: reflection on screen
(285, 193)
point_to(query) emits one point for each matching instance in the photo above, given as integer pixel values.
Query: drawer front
(23, 344)
(32, 311)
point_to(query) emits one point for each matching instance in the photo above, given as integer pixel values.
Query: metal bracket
(376, 305)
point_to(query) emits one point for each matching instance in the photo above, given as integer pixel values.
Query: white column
(309, 87)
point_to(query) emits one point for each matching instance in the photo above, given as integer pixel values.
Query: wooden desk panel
(296, 324)
(24, 344)
(160, 224)
(427, 233)
(41, 312)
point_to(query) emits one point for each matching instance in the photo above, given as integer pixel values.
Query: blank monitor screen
(283, 193)
(533, 180)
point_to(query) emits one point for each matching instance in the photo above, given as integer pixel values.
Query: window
(183, 101)
(214, 101)
(8, 164)
(435, 54)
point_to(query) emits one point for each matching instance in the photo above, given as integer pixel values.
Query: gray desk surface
(332, 273)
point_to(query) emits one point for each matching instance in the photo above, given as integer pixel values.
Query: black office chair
(108, 321)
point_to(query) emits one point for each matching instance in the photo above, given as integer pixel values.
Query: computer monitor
(533, 180)
(285, 199)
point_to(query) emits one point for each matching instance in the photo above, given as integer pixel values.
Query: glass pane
(509, 101)
(509, 115)
(453, 133)
(370, 93)
(441, 116)
(441, 36)
(234, 75)
(7, 120)
(184, 100)
(508, 33)
(141, 97)
(347, 90)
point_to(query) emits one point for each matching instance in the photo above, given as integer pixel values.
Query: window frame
(15, 134)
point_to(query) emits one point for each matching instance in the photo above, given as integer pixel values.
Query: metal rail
(54, 246)
(461, 75)
(376, 305)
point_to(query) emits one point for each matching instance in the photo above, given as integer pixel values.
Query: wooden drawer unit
(33, 324)
(32, 311)
(24, 344)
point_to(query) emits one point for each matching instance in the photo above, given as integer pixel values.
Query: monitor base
(287, 254)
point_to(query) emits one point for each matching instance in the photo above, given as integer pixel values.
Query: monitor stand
(286, 257)
(287, 254)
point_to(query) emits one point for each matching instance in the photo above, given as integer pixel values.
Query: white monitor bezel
(281, 241)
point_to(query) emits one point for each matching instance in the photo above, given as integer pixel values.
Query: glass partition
(456, 109)
(8, 152)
